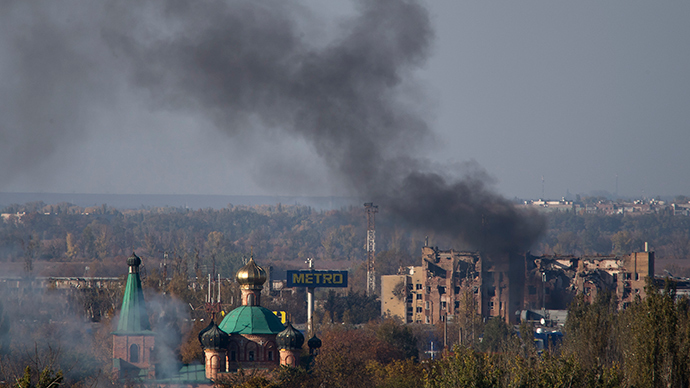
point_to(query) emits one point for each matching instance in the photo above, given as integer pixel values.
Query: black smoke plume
(348, 91)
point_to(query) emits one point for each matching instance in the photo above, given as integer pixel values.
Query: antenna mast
(543, 196)
(371, 247)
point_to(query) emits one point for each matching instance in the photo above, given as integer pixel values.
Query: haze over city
(584, 94)
(194, 193)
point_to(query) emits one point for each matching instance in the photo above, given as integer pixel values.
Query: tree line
(219, 239)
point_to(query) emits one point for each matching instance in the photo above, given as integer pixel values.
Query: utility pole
(212, 304)
(543, 294)
(371, 210)
(310, 302)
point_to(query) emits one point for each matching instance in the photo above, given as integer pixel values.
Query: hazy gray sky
(578, 92)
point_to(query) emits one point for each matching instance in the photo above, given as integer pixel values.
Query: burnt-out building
(450, 282)
(552, 281)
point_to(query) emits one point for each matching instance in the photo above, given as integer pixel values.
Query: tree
(46, 379)
(656, 339)
(4, 331)
(465, 368)
(400, 337)
(590, 330)
(497, 336)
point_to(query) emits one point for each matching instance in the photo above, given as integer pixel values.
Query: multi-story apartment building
(439, 288)
(449, 282)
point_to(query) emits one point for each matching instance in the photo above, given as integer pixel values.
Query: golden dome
(251, 275)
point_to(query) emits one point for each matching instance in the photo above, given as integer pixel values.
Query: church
(249, 337)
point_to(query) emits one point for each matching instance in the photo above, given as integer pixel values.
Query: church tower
(133, 340)
(215, 343)
(251, 278)
(252, 328)
(290, 343)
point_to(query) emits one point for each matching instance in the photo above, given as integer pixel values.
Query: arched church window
(134, 353)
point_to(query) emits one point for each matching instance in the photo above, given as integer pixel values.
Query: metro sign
(310, 278)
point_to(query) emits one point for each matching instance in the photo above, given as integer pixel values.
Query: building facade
(452, 282)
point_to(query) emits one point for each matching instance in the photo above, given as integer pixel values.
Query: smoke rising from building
(253, 69)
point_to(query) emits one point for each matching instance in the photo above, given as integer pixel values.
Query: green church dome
(251, 320)
(213, 338)
(290, 338)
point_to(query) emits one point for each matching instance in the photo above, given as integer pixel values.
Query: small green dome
(251, 320)
(134, 260)
(213, 338)
(290, 338)
(314, 342)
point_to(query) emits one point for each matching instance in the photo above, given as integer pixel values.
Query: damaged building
(552, 281)
(450, 282)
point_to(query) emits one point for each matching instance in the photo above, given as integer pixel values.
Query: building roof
(190, 375)
(133, 316)
(290, 338)
(213, 338)
(251, 320)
